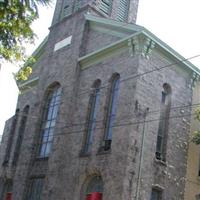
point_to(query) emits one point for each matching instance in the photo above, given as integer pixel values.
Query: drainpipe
(141, 156)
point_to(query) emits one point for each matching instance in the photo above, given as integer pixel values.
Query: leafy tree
(16, 17)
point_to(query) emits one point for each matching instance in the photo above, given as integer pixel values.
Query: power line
(129, 77)
(115, 125)
(132, 116)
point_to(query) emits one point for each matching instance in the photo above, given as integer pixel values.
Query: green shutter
(122, 12)
(77, 5)
(67, 8)
(105, 6)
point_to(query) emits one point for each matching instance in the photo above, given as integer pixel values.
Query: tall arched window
(93, 105)
(163, 123)
(111, 112)
(20, 134)
(49, 120)
(94, 190)
(10, 137)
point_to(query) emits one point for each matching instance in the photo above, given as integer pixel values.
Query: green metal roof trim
(105, 52)
(113, 23)
(171, 51)
(28, 84)
(36, 54)
(97, 56)
(40, 48)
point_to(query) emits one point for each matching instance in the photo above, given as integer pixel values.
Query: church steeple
(121, 10)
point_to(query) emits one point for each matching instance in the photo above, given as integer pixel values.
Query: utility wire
(131, 116)
(115, 125)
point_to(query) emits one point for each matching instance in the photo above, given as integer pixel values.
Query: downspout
(141, 156)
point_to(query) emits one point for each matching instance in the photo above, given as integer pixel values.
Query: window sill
(101, 151)
(41, 158)
(161, 162)
(84, 154)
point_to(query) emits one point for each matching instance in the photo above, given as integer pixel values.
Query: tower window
(67, 8)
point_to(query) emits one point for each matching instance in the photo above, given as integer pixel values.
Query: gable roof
(127, 32)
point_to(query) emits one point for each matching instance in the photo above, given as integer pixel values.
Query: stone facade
(99, 49)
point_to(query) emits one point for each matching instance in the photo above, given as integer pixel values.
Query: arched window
(49, 120)
(10, 137)
(163, 123)
(111, 113)
(93, 106)
(94, 190)
(20, 134)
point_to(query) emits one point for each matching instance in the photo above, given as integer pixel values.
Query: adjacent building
(105, 114)
(192, 189)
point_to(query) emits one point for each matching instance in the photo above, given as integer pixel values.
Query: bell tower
(120, 10)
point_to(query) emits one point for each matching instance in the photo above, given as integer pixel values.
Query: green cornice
(123, 44)
(110, 23)
(163, 46)
(40, 49)
(106, 52)
(28, 84)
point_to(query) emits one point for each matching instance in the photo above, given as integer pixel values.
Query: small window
(156, 194)
(93, 106)
(49, 121)
(35, 189)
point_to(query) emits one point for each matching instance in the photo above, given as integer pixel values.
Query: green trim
(120, 26)
(40, 49)
(171, 51)
(114, 24)
(110, 30)
(28, 84)
(106, 52)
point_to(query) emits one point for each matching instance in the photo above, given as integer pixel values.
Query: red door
(94, 196)
(9, 196)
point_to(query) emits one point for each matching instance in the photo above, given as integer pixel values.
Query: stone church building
(105, 114)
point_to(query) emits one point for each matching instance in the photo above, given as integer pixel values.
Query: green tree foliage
(16, 17)
(26, 70)
(196, 134)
